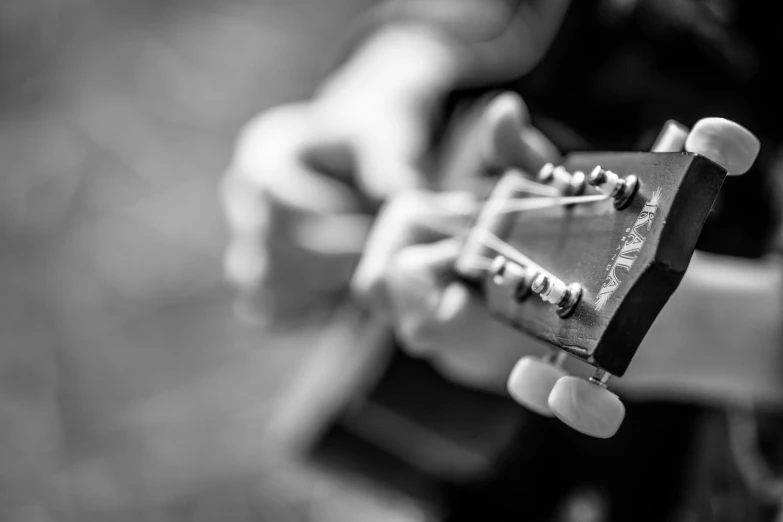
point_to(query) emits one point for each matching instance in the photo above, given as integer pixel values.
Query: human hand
(304, 177)
(691, 352)
(406, 272)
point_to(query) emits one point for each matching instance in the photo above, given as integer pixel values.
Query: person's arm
(407, 57)
(719, 336)
(491, 41)
(716, 341)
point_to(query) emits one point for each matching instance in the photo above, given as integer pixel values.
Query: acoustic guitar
(582, 255)
(604, 252)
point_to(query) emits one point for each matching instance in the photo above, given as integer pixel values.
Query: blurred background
(128, 391)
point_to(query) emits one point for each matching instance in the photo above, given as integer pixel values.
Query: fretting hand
(304, 176)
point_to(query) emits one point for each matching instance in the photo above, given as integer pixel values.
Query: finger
(486, 372)
(294, 230)
(271, 152)
(440, 318)
(245, 261)
(309, 257)
(333, 235)
(416, 280)
(260, 219)
(509, 140)
(278, 277)
(291, 284)
(271, 185)
(411, 218)
(433, 310)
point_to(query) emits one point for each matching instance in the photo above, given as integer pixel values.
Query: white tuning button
(587, 406)
(728, 144)
(532, 380)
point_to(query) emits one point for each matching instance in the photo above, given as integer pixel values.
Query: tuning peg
(567, 183)
(517, 279)
(609, 183)
(553, 290)
(728, 144)
(532, 380)
(587, 406)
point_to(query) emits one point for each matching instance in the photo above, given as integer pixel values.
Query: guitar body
(415, 432)
(467, 455)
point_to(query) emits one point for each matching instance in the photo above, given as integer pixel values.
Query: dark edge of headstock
(660, 279)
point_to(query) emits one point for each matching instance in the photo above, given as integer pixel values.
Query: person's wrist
(718, 338)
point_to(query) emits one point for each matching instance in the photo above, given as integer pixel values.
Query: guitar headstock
(585, 255)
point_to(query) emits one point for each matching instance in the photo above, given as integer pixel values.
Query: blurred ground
(124, 379)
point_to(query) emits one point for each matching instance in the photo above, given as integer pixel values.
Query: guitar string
(526, 186)
(523, 204)
(451, 229)
(492, 241)
(533, 187)
(520, 184)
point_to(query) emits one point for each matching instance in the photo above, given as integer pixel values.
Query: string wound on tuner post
(609, 183)
(566, 182)
(553, 290)
(600, 377)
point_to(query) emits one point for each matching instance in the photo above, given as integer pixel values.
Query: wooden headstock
(628, 262)
(604, 240)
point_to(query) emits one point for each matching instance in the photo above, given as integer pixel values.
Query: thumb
(508, 138)
(439, 318)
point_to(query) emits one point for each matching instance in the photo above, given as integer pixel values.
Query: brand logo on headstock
(628, 251)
